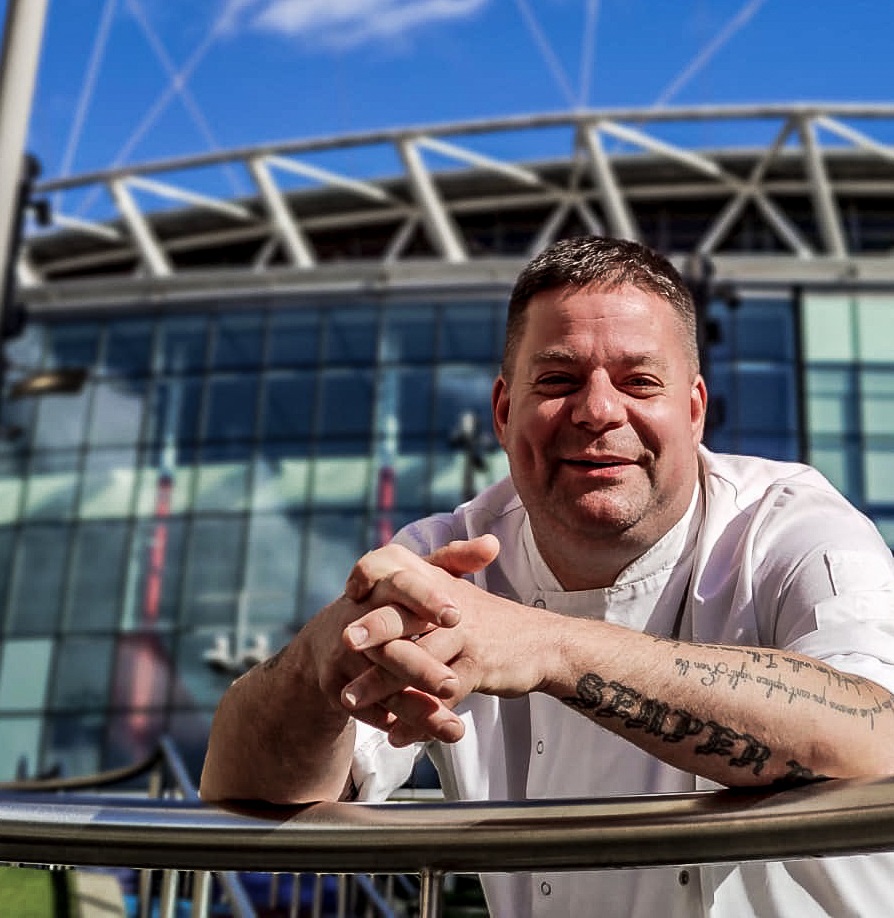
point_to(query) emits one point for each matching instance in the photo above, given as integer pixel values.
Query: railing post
(167, 906)
(431, 885)
(201, 893)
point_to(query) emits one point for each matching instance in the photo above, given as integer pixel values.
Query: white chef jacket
(768, 554)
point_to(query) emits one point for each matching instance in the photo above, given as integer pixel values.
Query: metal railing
(433, 839)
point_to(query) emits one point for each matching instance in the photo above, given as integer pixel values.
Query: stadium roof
(801, 193)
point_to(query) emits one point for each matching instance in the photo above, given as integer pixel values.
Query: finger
(386, 623)
(399, 664)
(376, 716)
(418, 713)
(466, 556)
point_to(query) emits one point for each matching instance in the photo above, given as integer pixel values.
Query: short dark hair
(602, 263)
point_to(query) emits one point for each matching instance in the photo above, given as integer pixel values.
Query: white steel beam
(297, 246)
(400, 239)
(586, 214)
(620, 219)
(172, 193)
(442, 231)
(479, 160)
(150, 251)
(89, 227)
(752, 190)
(653, 145)
(547, 234)
(824, 205)
(325, 177)
(857, 138)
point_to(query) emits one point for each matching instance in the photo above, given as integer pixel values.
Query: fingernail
(357, 635)
(452, 731)
(449, 617)
(350, 699)
(447, 687)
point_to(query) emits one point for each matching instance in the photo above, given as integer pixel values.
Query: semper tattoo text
(599, 699)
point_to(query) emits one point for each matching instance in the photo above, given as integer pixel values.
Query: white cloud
(347, 23)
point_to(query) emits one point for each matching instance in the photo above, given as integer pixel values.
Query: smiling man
(717, 619)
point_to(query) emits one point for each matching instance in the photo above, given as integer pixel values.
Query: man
(721, 620)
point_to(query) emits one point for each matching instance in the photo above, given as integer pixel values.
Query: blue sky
(258, 70)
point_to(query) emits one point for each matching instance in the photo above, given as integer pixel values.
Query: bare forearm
(740, 716)
(276, 738)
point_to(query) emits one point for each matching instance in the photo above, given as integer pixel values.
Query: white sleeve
(830, 578)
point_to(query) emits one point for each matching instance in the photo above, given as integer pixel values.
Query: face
(601, 418)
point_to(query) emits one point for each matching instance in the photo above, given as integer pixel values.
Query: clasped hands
(426, 638)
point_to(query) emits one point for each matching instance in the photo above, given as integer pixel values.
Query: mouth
(599, 464)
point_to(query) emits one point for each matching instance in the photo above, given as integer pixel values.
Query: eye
(554, 382)
(643, 385)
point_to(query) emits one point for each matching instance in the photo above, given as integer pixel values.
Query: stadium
(214, 404)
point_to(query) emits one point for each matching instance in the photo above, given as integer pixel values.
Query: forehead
(624, 319)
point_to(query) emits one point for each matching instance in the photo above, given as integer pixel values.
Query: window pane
(72, 344)
(128, 348)
(142, 674)
(108, 485)
(175, 410)
(294, 339)
(831, 401)
(828, 330)
(459, 389)
(222, 478)
(341, 482)
(20, 749)
(183, 344)
(214, 571)
(409, 334)
(82, 673)
(24, 671)
(231, 409)
(275, 544)
(281, 474)
(37, 580)
(238, 343)
(52, 483)
(879, 472)
(874, 317)
(152, 593)
(72, 743)
(351, 336)
(98, 570)
(346, 411)
(335, 542)
(878, 402)
(61, 420)
(117, 414)
(764, 331)
(467, 332)
(11, 475)
(289, 405)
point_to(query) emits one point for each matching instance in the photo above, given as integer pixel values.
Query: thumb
(466, 556)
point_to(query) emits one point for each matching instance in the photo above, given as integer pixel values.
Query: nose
(598, 405)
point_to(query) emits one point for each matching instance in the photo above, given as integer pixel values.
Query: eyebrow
(570, 356)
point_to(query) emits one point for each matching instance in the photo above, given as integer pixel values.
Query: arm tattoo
(613, 701)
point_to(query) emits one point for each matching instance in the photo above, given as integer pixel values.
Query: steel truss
(800, 192)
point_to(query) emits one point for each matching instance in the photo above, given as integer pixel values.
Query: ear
(698, 406)
(500, 408)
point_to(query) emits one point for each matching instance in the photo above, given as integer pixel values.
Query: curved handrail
(829, 818)
(87, 782)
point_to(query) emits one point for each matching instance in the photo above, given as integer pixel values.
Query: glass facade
(849, 396)
(210, 486)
